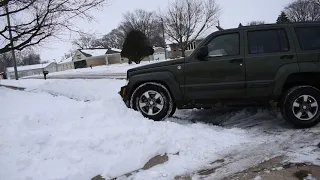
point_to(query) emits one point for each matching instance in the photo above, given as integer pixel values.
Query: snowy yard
(114, 70)
(77, 129)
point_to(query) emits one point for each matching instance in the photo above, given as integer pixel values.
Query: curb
(13, 87)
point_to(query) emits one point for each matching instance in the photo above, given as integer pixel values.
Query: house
(65, 64)
(96, 57)
(175, 51)
(2, 70)
(2, 75)
(159, 53)
(31, 70)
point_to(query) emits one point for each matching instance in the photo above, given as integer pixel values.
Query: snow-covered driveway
(77, 129)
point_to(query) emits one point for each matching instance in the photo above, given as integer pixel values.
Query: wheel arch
(302, 78)
(166, 79)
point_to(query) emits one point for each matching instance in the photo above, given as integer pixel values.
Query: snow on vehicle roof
(29, 67)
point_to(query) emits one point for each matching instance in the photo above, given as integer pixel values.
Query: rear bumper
(124, 94)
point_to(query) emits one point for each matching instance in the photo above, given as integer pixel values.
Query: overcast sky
(233, 12)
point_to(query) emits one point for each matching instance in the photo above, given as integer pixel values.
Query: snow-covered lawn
(116, 70)
(77, 129)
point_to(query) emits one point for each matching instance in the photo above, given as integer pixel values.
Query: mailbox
(45, 74)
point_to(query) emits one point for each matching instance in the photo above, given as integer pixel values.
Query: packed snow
(77, 129)
(310, 177)
(257, 178)
(55, 137)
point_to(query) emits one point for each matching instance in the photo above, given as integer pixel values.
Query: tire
(300, 106)
(152, 100)
(174, 108)
(281, 106)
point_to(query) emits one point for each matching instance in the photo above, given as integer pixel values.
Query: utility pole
(11, 43)
(164, 40)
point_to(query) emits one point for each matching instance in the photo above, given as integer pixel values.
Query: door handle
(236, 61)
(287, 57)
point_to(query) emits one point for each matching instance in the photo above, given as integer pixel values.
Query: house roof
(65, 60)
(156, 48)
(29, 67)
(93, 52)
(99, 51)
(115, 49)
(197, 40)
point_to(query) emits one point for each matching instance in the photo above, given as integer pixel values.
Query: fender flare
(282, 75)
(165, 78)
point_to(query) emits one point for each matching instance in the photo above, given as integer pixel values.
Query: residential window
(224, 45)
(78, 56)
(309, 37)
(192, 46)
(268, 41)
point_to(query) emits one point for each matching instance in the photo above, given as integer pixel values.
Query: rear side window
(268, 41)
(309, 37)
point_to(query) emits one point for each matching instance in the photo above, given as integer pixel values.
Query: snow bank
(29, 83)
(48, 137)
(79, 89)
(51, 132)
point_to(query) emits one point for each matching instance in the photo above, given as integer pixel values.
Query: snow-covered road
(77, 129)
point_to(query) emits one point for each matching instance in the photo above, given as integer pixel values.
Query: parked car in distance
(249, 65)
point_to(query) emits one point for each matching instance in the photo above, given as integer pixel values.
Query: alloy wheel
(151, 103)
(305, 107)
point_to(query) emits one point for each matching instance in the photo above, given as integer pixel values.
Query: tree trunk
(183, 53)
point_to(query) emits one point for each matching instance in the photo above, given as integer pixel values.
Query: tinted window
(309, 37)
(224, 45)
(267, 41)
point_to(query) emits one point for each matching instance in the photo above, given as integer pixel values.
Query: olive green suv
(246, 66)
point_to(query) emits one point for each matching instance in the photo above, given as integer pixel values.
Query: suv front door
(221, 74)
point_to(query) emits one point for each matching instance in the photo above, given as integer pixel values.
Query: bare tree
(114, 39)
(6, 59)
(146, 22)
(185, 20)
(85, 41)
(37, 20)
(254, 23)
(25, 57)
(303, 10)
(69, 54)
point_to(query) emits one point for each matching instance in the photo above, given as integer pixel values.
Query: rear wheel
(153, 100)
(301, 106)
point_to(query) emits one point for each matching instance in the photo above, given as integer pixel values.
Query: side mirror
(202, 53)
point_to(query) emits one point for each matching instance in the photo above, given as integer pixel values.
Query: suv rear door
(266, 50)
(307, 41)
(220, 75)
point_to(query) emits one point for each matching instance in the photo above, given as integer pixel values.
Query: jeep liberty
(249, 65)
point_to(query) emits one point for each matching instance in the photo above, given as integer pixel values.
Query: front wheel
(301, 106)
(153, 100)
